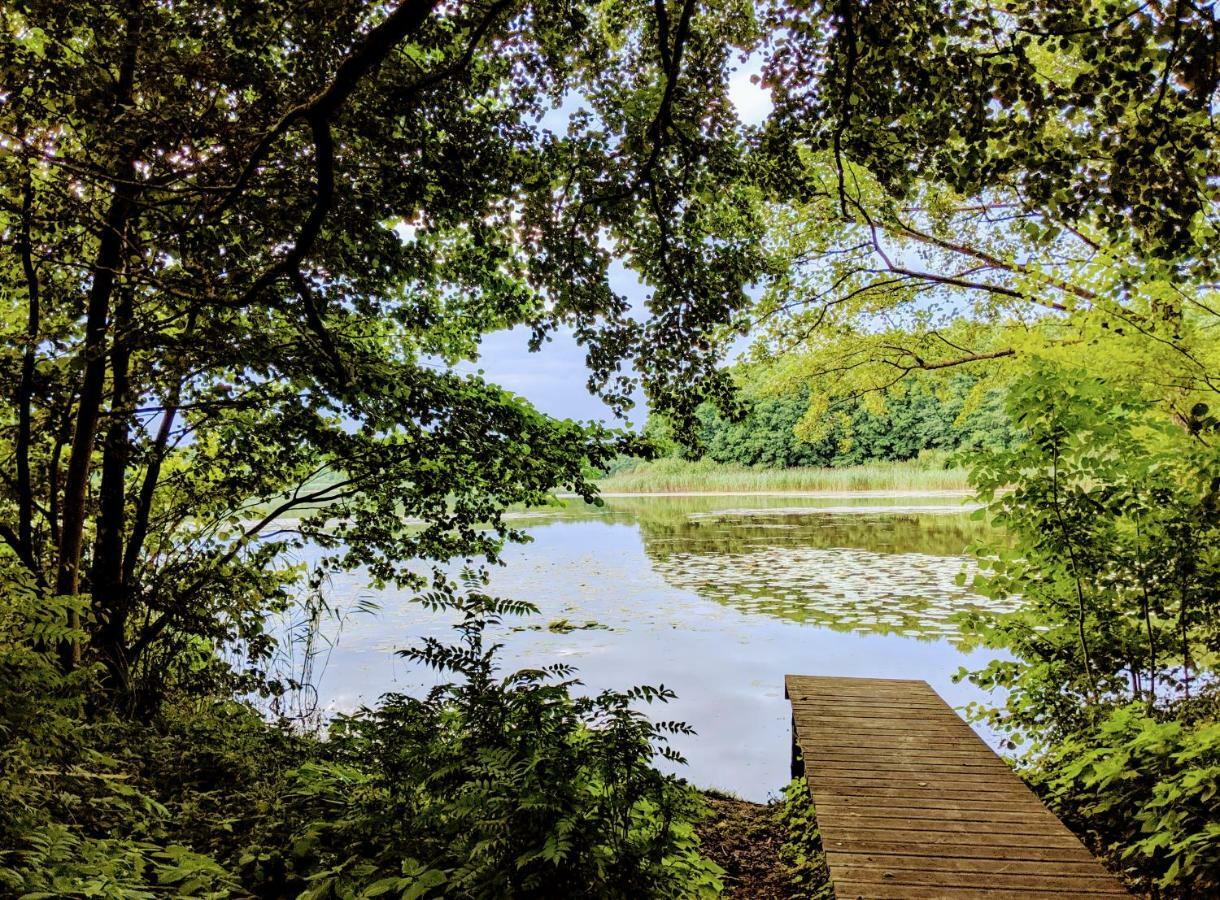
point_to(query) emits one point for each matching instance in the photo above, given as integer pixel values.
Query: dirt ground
(744, 839)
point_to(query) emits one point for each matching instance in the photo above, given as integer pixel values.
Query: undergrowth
(490, 786)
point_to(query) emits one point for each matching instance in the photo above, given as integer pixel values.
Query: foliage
(247, 246)
(965, 186)
(78, 822)
(780, 426)
(1110, 690)
(1019, 191)
(1098, 111)
(1146, 785)
(802, 854)
(898, 425)
(765, 436)
(499, 787)
(489, 787)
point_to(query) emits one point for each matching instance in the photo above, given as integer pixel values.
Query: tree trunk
(25, 392)
(109, 594)
(110, 256)
(76, 485)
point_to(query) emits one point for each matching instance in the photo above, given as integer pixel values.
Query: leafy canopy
(970, 184)
(246, 242)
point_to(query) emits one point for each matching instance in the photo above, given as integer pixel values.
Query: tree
(1107, 666)
(1098, 112)
(777, 430)
(243, 242)
(1027, 189)
(968, 185)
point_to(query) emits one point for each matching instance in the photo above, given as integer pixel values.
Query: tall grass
(664, 476)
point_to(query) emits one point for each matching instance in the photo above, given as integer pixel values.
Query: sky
(554, 378)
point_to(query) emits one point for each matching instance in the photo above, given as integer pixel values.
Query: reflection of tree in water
(945, 534)
(891, 573)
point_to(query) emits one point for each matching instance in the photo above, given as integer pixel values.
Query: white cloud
(752, 100)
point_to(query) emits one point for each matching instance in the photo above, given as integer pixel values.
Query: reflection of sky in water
(812, 593)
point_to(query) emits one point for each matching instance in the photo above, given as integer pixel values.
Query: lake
(715, 597)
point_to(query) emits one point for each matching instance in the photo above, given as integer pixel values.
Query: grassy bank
(678, 476)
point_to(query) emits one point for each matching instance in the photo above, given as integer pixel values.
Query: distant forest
(773, 431)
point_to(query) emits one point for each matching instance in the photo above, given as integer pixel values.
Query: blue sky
(553, 379)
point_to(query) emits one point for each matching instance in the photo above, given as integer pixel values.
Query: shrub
(1147, 789)
(802, 855)
(495, 787)
(77, 821)
(487, 787)
(1109, 665)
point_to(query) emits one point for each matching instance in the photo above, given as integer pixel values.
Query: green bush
(78, 821)
(802, 855)
(487, 787)
(1113, 512)
(497, 787)
(1147, 788)
(918, 418)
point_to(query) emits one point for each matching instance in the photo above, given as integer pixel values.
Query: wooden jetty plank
(887, 890)
(968, 765)
(912, 804)
(914, 833)
(981, 780)
(997, 832)
(961, 851)
(1082, 866)
(868, 757)
(856, 710)
(958, 781)
(927, 877)
(952, 814)
(912, 800)
(870, 697)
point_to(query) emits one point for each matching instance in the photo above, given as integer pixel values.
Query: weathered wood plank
(914, 833)
(1082, 866)
(926, 877)
(966, 765)
(981, 784)
(870, 697)
(945, 757)
(853, 813)
(858, 803)
(912, 804)
(999, 832)
(961, 851)
(889, 890)
(975, 780)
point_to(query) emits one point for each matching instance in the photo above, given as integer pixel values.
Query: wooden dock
(912, 804)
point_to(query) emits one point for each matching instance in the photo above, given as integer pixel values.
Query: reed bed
(672, 476)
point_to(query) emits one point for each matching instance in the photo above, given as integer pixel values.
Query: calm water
(714, 597)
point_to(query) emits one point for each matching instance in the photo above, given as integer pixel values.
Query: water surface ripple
(714, 599)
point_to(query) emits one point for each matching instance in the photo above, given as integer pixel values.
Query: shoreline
(813, 494)
(674, 477)
(534, 511)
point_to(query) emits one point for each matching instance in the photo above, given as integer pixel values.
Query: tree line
(776, 431)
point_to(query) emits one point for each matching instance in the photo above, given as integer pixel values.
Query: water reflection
(850, 570)
(713, 599)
